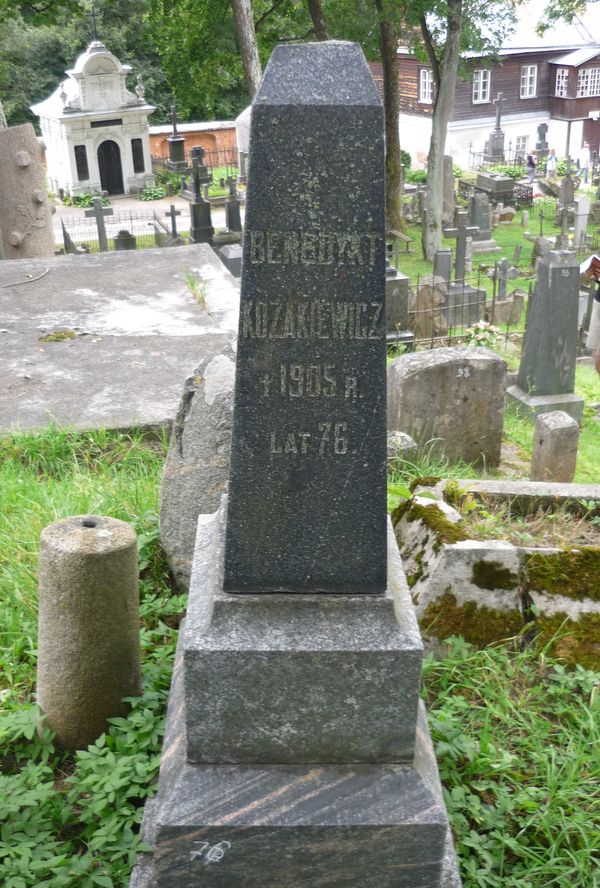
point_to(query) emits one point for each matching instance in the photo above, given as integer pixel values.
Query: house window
(137, 152)
(588, 82)
(83, 172)
(426, 86)
(562, 82)
(528, 81)
(521, 144)
(481, 85)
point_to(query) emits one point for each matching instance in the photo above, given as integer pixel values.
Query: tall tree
(246, 39)
(446, 29)
(388, 41)
(445, 71)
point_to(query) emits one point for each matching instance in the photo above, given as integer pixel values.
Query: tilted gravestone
(452, 396)
(292, 754)
(26, 218)
(546, 379)
(197, 465)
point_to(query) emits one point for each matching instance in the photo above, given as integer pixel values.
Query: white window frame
(426, 86)
(482, 81)
(588, 82)
(562, 83)
(528, 81)
(522, 145)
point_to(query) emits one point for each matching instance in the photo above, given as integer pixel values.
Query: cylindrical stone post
(88, 629)
(555, 440)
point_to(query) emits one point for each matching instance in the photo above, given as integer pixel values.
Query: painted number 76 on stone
(210, 853)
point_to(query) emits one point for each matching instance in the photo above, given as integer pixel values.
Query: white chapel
(96, 130)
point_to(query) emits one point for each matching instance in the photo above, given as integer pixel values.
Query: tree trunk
(246, 38)
(388, 42)
(318, 19)
(26, 219)
(445, 74)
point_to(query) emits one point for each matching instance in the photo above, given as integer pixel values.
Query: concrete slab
(136, 331)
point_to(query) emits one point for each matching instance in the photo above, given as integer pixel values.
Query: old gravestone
(480, 217)
(452, 396)
(292, 754)
(546, 378)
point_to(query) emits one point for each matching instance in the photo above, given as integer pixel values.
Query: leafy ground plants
(515, 733)
(517, 741)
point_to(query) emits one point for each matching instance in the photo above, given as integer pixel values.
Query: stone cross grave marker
(498, 103)
(461, 231)
(310, 383)
(504, 271)
(98, 212)
(201, 227)
(172, 213)
(566, 193)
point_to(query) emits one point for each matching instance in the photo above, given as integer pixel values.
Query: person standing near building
(584, 162)
(551, 162)
(530, 166)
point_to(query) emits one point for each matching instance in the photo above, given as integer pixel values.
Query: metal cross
(173, 213)
(92, 15)
(99, 212)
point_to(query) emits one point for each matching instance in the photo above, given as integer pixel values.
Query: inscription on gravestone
(309, 439)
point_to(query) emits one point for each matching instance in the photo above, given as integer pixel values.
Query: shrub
(416, 176)
(154, 193)
(405, 159)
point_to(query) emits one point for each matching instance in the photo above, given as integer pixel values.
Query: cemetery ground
(516, 733)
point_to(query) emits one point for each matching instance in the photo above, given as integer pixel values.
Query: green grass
(517, 741)
(518, 429)
(515, 734)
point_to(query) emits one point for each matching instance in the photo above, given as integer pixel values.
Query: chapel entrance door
(109, 164)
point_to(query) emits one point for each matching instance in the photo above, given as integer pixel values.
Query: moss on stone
(493, 575)
(575, 641)
(399, 511)
(433, 518)
(570, 572)
(426, 481)
(58, 336)
(453, 493)
(478, 625)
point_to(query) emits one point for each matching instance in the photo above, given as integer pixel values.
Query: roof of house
(578, 56)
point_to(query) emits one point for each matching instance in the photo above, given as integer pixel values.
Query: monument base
(465, 305)
(485, 246)
(327, 685)
(535, 404)
(285, 826)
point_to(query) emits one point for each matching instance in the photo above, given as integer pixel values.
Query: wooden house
(549, 86)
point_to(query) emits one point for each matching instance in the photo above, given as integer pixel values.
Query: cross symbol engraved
(265, 381)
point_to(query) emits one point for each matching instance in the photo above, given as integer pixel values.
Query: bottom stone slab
(569, 402)
(294, 826)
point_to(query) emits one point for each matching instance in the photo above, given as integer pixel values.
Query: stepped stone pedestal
(296, 751)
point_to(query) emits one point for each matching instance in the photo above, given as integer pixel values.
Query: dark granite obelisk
(309, 441)
(296, 752)
(546, 379)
